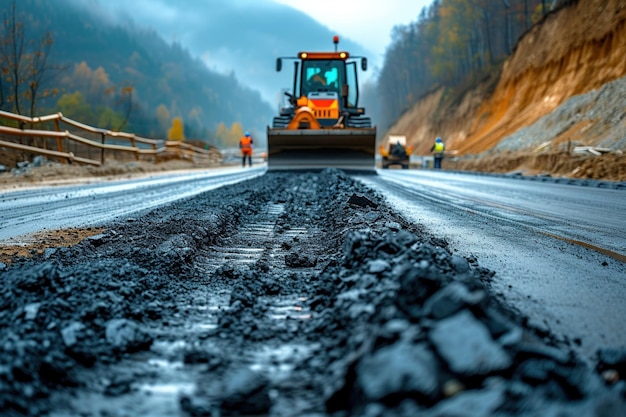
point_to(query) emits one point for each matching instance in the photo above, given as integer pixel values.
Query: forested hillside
(453, 43)
(124, 77)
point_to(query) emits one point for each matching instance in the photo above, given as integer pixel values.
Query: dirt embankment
(575, 52)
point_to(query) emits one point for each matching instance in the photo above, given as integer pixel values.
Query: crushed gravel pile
(284, 295)
(599, 112)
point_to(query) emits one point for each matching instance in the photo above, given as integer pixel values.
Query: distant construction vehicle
(322, 126)
(395, 152)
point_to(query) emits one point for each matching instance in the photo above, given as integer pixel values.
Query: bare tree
(126, 95)
(38, 71)
(12, 57)
(24, 65)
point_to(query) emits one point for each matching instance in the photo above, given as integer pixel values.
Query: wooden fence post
(132, 143)
(103, 135)
(59, 140)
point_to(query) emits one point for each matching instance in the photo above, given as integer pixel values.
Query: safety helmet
(438, 140)
(247, 134)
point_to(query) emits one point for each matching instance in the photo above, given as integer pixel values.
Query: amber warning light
(335, 41)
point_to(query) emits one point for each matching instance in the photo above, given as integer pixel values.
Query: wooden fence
(88, 145)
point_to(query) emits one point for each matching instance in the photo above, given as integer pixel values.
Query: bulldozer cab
(329, 75)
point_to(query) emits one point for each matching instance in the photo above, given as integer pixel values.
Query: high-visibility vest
(438, 147)
(245, 144)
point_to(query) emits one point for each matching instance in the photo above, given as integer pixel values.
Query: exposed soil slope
(575, 51)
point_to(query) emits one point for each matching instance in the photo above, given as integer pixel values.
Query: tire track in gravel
(183, 349)
(264, 243)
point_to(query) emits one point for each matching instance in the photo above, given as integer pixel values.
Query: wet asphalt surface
(283, 295)
(558, 250)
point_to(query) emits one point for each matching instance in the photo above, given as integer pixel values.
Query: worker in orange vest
(245, 144)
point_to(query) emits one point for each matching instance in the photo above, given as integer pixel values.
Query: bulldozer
(322, 125)
(397, 152)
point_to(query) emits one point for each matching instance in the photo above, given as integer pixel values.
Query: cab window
(322, 75)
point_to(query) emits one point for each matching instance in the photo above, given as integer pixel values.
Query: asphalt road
(34, 209)
(558, 250)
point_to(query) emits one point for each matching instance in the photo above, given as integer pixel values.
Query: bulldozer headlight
(303, 55)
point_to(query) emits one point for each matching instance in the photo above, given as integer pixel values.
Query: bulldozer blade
(351, 149)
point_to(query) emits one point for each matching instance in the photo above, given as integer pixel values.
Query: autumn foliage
(229, 138)
(176, 132)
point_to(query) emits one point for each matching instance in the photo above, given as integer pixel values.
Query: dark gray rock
(178, 247)
(160, 270)
(70, 333)
(31, 310)
(399, 369)
(299, 260)
(377, 266)
(245, 392)
(535, 351)
(467, 347)
(451, 299)
(459, 264)
(361, 201)
(416, 285)
(126, 336)
(39, 161)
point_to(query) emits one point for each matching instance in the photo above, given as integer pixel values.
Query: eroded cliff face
(573, 51)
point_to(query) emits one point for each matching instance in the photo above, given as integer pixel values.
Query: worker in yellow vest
(437, 150)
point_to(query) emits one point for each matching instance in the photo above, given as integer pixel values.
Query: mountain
(162, 75)
(245, 36)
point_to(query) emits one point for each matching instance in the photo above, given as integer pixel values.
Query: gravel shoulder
(45, 173)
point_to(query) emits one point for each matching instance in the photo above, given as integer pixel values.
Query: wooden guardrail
(157, 148)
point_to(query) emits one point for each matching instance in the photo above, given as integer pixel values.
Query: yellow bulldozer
(322, 126)
(396, 152)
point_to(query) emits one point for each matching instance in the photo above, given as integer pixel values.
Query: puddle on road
(155, 400)
(159, 376)
(157, 397)
(171, 390)
(277, 362)
(165, 364)
(289, 312)
(289, 308)
(205, 326)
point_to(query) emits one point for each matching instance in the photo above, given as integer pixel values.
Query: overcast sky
(367, 22)
(246, 36)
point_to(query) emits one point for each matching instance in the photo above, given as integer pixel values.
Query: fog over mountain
(242, 36)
